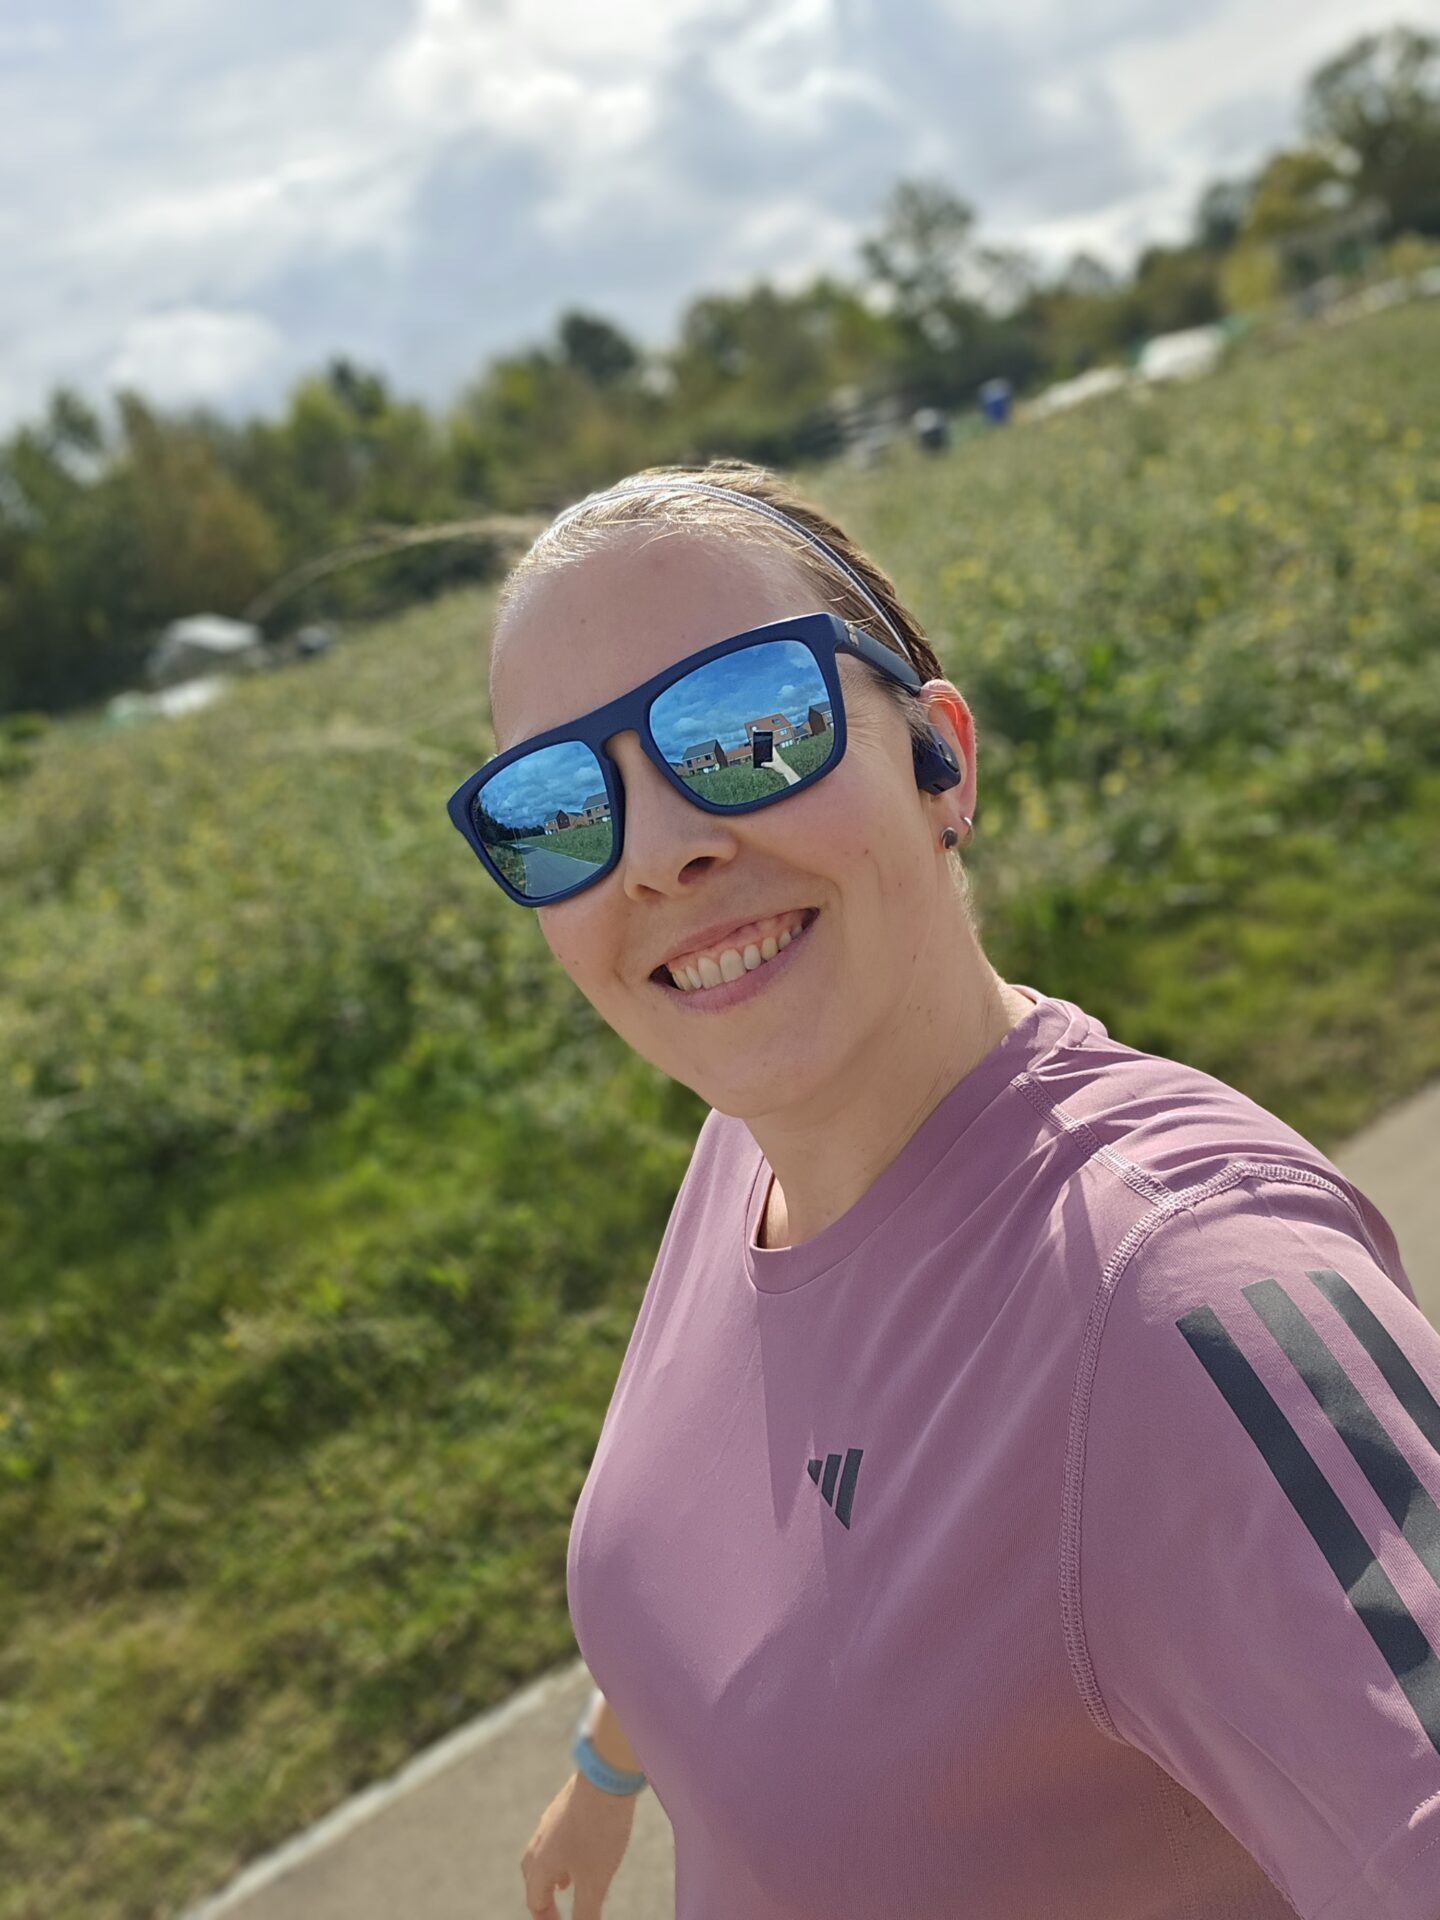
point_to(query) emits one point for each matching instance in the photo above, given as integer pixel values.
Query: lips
(716, 997)
(717, 982)
(715, 940)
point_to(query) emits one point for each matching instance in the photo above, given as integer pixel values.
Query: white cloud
(422, 183)
(565, 75)
(189, 355)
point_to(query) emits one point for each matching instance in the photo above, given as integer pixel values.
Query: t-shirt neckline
(781, 1269)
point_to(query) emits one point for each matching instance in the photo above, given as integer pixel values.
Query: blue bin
(995, 397)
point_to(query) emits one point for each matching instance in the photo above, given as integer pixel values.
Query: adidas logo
(824, 1473)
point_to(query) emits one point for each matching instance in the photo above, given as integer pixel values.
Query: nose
(665, 836)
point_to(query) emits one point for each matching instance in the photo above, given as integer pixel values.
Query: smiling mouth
(663, 976)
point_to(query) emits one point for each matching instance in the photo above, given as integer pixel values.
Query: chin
(752, 1096)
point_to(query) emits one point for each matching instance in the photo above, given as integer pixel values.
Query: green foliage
(1294, 190)
(805, 754)
(102, 543)
(596, 348)
(326, 1203)
(1196, 629)
(591, 842)
(1378, 104)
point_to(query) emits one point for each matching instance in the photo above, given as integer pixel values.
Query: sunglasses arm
(888, 661)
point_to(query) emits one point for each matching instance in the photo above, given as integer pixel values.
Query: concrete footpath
(442, 1839)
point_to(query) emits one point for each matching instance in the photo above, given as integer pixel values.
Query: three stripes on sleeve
(1371, 1593)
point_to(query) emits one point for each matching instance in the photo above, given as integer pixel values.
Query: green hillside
(326, 1204)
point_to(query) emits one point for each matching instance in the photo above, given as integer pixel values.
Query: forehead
(579, 634)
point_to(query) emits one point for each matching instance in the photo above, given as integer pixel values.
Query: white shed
(204, 643)
(1181, 356)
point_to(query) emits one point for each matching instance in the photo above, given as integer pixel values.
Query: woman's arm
(608, 1738)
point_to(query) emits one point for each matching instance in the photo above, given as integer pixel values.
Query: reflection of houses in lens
(775, 730)
(595, 806)
(704, 756)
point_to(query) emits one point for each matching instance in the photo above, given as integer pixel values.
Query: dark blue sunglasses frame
(824, 634)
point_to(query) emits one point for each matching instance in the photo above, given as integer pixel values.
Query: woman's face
(861, 845)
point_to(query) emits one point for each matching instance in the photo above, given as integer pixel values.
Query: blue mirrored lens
(545, 819)
(748, 724)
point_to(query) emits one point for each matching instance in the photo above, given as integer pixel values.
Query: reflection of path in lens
(547, 871)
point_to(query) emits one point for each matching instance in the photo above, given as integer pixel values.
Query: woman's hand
(581, 1840)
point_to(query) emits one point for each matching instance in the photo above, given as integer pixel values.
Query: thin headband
(756, 506)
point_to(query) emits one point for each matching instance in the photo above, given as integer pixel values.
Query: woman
(999, 1510)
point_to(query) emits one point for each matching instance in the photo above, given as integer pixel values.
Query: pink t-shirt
(1052, 1537)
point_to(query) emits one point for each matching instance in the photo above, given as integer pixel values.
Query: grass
(326, 1204)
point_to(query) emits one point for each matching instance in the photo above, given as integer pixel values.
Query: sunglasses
(736, 726)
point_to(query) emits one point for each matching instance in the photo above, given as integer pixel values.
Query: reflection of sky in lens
(714, 702)
(564, 775)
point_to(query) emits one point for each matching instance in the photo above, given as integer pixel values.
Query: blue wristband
(609, 1779)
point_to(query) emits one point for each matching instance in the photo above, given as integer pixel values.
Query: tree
(920, 255)
(1175, 287)
(1220, 213)
(203, 544)
(957, 306)
(1087, 277)
(1378, 102)
(1296, 188)
(596, 348)
(365, 394)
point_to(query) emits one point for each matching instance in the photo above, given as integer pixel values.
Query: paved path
(442, 1840)
(547, 871)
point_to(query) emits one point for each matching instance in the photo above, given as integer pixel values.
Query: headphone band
(675, 485)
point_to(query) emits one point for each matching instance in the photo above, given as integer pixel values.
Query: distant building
(701, 757)
(594, 807)
(204, 644)
(776, 725)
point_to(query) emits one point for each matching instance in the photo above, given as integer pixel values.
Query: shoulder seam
(1147, 1184)
(1072, 1493)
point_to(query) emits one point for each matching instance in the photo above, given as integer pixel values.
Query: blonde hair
(585, 527)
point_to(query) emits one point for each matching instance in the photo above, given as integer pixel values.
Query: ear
(947, 712)
(945, 709)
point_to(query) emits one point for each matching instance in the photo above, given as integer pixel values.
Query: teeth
(705, 972)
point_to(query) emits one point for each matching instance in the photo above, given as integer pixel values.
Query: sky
(204, 201)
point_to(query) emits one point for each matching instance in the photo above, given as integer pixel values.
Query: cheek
(569, 941)
(860, 820)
